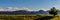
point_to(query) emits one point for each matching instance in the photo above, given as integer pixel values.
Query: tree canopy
(53, 11)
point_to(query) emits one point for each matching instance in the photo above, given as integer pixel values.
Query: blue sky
(32, 4)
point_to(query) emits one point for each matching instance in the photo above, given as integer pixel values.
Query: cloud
(1, 9)
(20, 8)
(44, 9)
(14, 9)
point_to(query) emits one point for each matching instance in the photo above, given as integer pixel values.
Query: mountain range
(25, 12)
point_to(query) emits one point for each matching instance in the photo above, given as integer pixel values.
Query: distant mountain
(24, 12)
(43, 12)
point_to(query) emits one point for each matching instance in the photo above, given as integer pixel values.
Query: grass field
(29, 17)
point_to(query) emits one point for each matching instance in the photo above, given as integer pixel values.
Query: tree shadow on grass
(45, 18)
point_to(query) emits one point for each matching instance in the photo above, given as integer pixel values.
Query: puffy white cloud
(14, 9)
(1, 9)
(44, 9)
(19, 8)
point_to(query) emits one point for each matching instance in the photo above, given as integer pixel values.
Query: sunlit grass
(28, 17)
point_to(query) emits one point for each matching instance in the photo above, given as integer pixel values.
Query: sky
(28, 4)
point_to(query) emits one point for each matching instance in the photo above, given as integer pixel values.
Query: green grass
(26, 17)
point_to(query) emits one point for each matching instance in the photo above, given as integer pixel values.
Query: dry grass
(27, 17)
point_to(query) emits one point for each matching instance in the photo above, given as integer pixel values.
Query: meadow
(29, 17)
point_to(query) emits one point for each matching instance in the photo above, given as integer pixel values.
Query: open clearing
(29, 17)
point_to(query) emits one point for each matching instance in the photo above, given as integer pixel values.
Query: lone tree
(53, 11)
